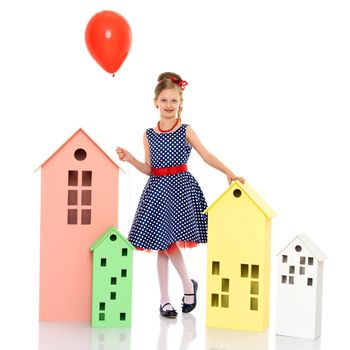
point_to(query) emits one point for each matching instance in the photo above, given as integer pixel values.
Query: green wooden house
(111, 280)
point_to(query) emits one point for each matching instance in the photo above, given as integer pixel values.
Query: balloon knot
(113, 75)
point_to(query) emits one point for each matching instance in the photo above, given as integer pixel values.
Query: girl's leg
(179, 264)
(163, 277)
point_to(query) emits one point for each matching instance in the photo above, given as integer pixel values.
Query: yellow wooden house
(239, 250)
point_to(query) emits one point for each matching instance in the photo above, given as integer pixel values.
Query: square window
(291, 280)
(225, 285)
(125, 252)
(72, 178)
(86, 197)
(309, 281)
(86, 216)
(310, 261)
(72, 197)
(302, 270)
(87, 178)
(123, 272)
(103, 262)
(113, 280)
(215, 300)
(284, 279)
(113, 296)
(244, 270)
(291, 269)
(224, 300)
(284, 258)
(302, 260)
(255, 271)
(102, 306)
(72, 216)
(254, 287)
(215, 269)
(254, 304)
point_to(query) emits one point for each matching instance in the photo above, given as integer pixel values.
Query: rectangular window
(302, 260)
(244, 270)
(254, 304)
(291, 280)
(86, 216)
(224, 300)
(72, 178)
(255, 271)
(215, 268)
(309, 281)
(87, 178)
(284, 258)
(225, 285)
(103, 262)
(113, 280)
(284, 279)
(291, 269)
(302, 270)
(102, 306)
(101, 316)
(123, 272)
(86, 197)
(72, 216)
(113, 296)
(122, 316)
(72, 197)
(215, 300)
(254, 287)
(310, 261)
(125, 252)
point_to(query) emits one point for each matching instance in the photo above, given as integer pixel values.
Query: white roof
(310, 244)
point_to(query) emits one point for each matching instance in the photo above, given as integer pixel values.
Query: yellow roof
(251, 193)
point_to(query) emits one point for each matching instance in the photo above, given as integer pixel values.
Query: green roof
(106, 234)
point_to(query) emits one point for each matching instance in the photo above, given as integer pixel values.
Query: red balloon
(108, 39)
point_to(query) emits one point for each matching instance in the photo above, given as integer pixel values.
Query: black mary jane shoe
(186, 308)
(167, 313)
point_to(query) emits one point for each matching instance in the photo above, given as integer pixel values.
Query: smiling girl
(169, 214)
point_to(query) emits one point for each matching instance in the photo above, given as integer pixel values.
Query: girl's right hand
(124, 155)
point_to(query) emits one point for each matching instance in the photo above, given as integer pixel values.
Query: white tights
(163, 276)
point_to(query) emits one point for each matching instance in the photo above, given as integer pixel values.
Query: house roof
(251, 193)
(80, 130)
(106, 234)
(310, 244)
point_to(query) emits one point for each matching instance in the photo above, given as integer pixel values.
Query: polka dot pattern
(170, 207)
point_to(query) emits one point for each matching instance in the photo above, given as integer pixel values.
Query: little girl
(169, 214)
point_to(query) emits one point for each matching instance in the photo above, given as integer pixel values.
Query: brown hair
(165, 82)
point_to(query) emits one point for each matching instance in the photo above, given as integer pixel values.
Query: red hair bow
(181, 83)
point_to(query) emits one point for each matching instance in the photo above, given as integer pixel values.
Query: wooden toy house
(79, 200)
(299, 289)
(238, 262)
(111, 280)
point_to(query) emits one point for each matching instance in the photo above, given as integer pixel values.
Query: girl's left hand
(231, 177)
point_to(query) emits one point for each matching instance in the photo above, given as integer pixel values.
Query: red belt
(169, 171)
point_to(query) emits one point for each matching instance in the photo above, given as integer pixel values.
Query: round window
(298, 248)
(237, 193)
(80, 154)
(113, 237)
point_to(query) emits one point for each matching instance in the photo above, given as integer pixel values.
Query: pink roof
(82, 131)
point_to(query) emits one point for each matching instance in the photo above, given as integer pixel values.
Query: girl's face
(169, 102)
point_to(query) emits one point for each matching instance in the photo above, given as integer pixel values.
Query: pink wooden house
(79, 200)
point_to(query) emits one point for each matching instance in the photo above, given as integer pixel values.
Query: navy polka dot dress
(170, 207)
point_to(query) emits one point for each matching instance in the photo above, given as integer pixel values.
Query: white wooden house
(299, 289)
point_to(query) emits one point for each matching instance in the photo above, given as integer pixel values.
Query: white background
(268, 94)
